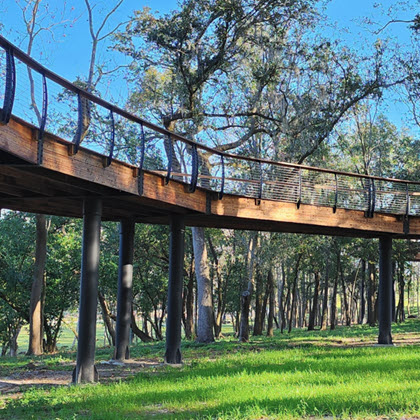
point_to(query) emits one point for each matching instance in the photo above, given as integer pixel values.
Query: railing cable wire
(43, 119)
(336, 194)
(406, 223)
(222, 184)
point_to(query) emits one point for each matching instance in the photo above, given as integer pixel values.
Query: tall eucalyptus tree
(226, 72)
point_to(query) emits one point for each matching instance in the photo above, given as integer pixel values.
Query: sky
(68, 52)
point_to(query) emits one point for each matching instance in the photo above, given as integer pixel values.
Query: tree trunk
(296, 275)
(408, 298)
(271, 304)
(362, 292)
(246, 295)
(334, 294)
(394, 300)
(238, 322)
(157, 322)
(13, 341)
(258, 322)
(138, 332)
(352, 298)
(300, 301)
(345, 298)
(400, 308)
(324, 312)
(312, 315)
(280, 287)
(204, 292)
(264, 305)
(292, 316)
(221, 288)
(106, 316)
(51, 334)
(244, 322)
(36, 316)
(145, 324)
(285, 306)
(371, 294)
(189, 304)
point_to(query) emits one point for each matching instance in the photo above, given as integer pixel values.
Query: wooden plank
(414, 225)
(22, 181)
(10, 190)
(87, 165)
(66, 183)
(245, 208)
(276, 226)
(45, 206)
(11, 136)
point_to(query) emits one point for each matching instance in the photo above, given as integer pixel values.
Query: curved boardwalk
(43, 169)
(166, 178)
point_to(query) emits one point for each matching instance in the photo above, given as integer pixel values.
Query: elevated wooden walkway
(60, 183)
(169, 179)
(43, 173)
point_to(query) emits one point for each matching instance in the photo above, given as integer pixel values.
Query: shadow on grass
(242, 387)
(265, 377)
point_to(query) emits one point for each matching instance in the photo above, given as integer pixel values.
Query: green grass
(66, 337)
(291, 376)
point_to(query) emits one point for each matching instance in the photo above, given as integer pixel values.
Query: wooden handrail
(29, 61)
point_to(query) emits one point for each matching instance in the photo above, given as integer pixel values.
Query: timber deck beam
(59, 185)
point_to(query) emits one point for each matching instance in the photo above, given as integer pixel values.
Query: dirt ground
(32, 375)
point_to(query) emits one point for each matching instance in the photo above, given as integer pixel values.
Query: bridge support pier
(176, 268)
(85, 370)
(385, 291)
(125, 290)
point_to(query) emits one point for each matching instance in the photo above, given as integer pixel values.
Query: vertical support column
(125, 290)
(176, 268)
(85, 370)
(385, 290)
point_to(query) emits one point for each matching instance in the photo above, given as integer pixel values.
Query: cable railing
(37, 95)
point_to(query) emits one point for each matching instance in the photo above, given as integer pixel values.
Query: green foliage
(151, 266)
(109, 256)
(245, 70)
(17, 233)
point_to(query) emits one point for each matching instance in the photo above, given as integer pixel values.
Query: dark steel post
(85, 370)
(385, 290)
(176, 268)
(125, 290)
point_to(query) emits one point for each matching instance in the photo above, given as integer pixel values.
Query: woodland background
(265, 79)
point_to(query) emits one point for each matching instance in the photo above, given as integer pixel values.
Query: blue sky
(68, 53)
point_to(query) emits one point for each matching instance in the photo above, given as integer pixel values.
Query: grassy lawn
(66, 338)
(317, 374)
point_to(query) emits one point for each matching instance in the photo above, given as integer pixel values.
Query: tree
(191, 60)
(61, 272)
(16, 254)
(36, 310)
(215, 70)
(35, 25)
